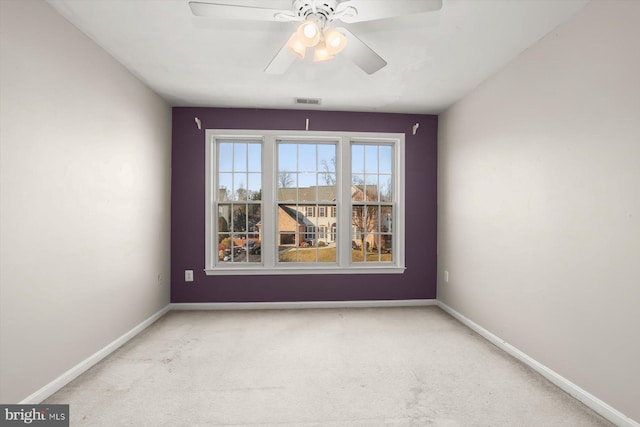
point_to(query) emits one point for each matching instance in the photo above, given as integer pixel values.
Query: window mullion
(343, 201)
(270, 207)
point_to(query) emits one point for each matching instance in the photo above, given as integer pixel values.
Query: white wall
(84, 203)
(539, 203)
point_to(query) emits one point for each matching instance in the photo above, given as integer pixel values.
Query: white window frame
(270, 264)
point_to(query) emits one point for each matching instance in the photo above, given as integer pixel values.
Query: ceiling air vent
(308, 101)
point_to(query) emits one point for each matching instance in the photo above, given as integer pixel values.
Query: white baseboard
(608, 412)
(302, 304)
(83, 366)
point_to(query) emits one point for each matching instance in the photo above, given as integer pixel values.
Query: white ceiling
(434, 59)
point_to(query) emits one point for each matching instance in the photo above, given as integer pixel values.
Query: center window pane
(306, 202)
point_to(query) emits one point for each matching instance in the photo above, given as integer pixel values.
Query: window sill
(261, 271)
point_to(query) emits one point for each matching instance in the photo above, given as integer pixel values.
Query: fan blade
(249, 13)
(361, 54)
(371, 10)
(281, 62)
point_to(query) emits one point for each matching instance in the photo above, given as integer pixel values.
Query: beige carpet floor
(321, 367)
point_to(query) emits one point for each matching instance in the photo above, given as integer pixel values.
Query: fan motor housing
(325, 8)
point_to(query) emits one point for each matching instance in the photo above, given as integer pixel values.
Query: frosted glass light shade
(309, 33)
(297, 46)
(335, 41)
(321, 53)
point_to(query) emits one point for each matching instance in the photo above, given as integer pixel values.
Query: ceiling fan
(316, 30)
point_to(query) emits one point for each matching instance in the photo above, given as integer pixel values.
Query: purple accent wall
(188, 207)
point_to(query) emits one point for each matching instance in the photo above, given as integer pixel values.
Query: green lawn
(329, 255)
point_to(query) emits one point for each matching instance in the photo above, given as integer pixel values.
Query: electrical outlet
(446, 276)
(188, 275)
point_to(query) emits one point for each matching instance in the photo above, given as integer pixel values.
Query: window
(239, 201)
(273, 199)
(372, 202)
(306, 178)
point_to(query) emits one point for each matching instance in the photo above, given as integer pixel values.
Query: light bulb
(310, 30)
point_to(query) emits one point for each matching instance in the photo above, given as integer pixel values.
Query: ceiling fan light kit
(311, 34)
(315, 31)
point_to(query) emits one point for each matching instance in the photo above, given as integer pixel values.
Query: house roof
(297, 216)
(321, 193)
